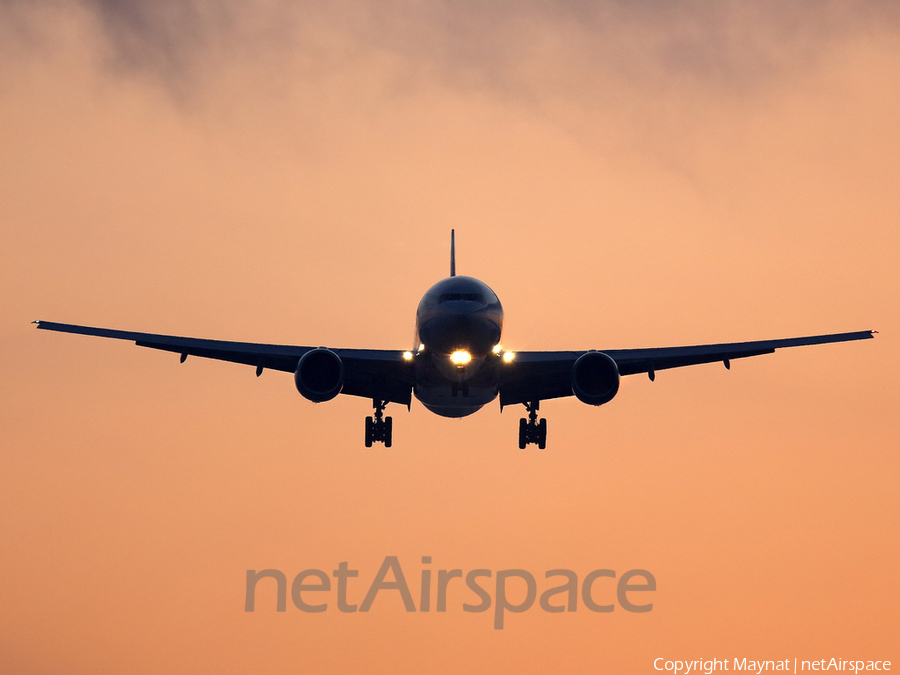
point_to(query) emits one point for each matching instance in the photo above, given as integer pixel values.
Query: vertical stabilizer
(452, 253)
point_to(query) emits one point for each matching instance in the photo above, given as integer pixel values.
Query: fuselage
(457, 351)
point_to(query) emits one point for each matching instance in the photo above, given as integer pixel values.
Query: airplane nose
(448, 332)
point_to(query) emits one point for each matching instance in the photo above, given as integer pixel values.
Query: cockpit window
(471, 297)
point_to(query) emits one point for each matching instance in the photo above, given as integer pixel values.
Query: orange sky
(622, 175)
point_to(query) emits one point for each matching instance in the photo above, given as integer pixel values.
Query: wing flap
(381, 374)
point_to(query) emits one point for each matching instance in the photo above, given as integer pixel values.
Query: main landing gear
(531, 430)
(378, 430)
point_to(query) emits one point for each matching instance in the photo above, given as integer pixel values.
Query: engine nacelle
(319, 375)
(595, 378)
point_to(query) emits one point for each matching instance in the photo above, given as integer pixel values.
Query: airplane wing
(536, 376)
(370, 373)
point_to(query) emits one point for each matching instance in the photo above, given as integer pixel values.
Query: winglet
(452, 253)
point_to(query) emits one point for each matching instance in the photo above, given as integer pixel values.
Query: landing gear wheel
(531, 430)
(379, 428)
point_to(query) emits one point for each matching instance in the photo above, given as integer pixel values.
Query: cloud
(518, 47)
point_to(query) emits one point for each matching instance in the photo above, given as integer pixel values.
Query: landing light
(508, 357)
(496, 349)
(407, 356)
(460, 357)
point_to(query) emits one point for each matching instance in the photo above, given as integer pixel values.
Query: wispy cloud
(518, 46)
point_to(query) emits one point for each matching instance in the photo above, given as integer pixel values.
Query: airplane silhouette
(457, 364)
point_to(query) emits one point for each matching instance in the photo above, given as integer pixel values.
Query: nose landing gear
(531, 430)
(379, 429)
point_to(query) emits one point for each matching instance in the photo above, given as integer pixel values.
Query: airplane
(458, 364)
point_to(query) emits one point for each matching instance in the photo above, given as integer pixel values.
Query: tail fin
(452, 253)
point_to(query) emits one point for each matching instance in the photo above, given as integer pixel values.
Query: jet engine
(595, 378)
(319, 375)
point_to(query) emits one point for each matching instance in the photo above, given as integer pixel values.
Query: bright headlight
(460, 357)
